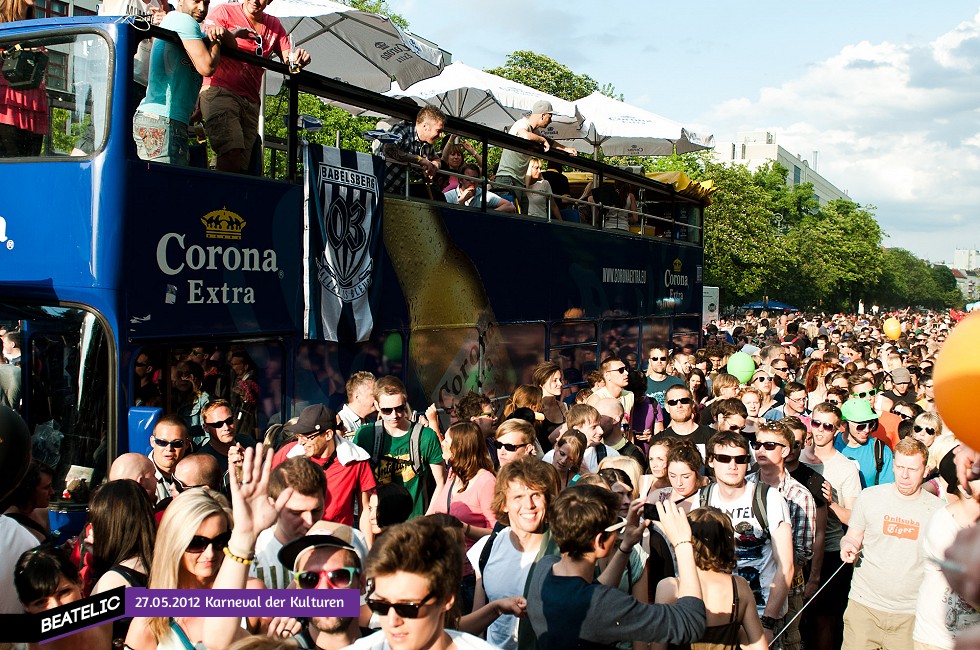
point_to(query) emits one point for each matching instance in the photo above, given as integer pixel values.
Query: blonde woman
(191, 544)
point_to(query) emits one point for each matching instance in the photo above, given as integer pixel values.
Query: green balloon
(742, 366)
(393, 346)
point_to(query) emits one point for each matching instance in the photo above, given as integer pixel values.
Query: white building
(966, 258)
(755, 148)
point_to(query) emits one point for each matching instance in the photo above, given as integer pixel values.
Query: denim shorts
(160, 139)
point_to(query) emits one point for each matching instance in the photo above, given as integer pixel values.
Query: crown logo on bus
(677, 266)
(223, 224)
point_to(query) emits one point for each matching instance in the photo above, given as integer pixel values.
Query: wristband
(683, 541)
(241, 560)
(624, 551)
(768, 622)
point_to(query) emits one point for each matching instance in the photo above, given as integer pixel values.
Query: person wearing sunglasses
(774, 442)
(412, 577)
(859, 444)
(683, 424)
(400, 450)
(762, 381)
(615, 374)
(763, 539)
(348, 473)
(861, 385)
(170, 441)
(885, 530)
(224, 443)
(230, 98)
(513, 439)
(658, 381)
(191, 544)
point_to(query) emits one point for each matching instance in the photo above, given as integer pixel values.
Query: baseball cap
(314, 418)
(901, 376)
(323, 534)
(542, 106)
(858, 410)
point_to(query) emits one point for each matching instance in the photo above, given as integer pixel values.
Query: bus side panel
(212, 254)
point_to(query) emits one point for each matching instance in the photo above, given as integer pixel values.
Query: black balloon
(15, 450)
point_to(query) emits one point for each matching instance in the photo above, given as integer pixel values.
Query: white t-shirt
(506, 573)
(462, 640)
(588, 459)
(939, 611)
(14, 540)
(266, 565)
(753, 548)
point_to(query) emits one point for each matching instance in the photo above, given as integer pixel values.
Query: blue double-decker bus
(113, 269)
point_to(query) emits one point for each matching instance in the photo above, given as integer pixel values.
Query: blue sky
(887, 92)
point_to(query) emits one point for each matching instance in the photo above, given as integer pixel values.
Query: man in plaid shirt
(413, 149)
(773, 443)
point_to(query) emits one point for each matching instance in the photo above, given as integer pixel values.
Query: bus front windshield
(54, 95)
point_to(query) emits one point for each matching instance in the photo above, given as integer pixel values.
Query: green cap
(858, 410)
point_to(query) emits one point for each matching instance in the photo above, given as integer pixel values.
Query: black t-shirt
(699, 436)
(907, 398)
(812, 480)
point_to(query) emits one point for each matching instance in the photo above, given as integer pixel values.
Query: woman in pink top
(467, 493)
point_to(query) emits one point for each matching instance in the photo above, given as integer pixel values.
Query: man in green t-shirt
(392, 456)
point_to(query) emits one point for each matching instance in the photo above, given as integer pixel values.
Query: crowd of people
(810, 501)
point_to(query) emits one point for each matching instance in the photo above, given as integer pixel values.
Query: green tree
(378, 7)
(547, 75)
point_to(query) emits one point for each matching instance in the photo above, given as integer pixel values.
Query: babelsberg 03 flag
(342, 245)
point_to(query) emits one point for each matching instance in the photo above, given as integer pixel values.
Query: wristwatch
(768, 622)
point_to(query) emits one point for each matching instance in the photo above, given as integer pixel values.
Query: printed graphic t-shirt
(888, 573)
(395, 464)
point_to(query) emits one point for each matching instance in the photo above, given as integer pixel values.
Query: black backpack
(414, 454)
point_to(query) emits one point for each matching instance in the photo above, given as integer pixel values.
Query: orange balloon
(892, 328)
(955, 378)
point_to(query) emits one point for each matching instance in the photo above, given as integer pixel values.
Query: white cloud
(896, 126)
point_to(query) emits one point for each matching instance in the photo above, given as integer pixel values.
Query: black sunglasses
(658, 358)
(928, 430)
(221, 423)
(904, 416)
(762, 380)
(392, 409)
(866, 426)
(180, 487)
(780, 368)
(506, 445)
(769, 445)
(174, 444)
(620, 369)
(872, 393)
(404, 610)
(826, 426)
(679, 400)
(724, 459)
(199, 542)
(341, 578)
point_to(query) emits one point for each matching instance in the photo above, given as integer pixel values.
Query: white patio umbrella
(619, 129)
(358, 47)
(477, 96)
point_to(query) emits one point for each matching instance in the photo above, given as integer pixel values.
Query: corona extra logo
(677, 266)
(223, 224)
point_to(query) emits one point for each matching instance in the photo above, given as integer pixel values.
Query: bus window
(655, 332)
(64, 110)
(621, 337)
(183, 378)
(574, 347)
(525, 345)
(60, 385)
(687, 331)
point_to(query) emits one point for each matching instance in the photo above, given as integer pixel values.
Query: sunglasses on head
(388, 410)
(404, 610)
(928, 430)
(725, 459)
(341, 578)
(199, 542)
(620, 369)
(826, 426)
(506, 445)
(867, 393)
(679, 400)
(866, 426)
(173, 444)
(221, 423)
(769, 446)
(181, 487)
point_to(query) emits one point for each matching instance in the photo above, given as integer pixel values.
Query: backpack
(414, 455)
(488, 547)
(759, 498)
(879, 450)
